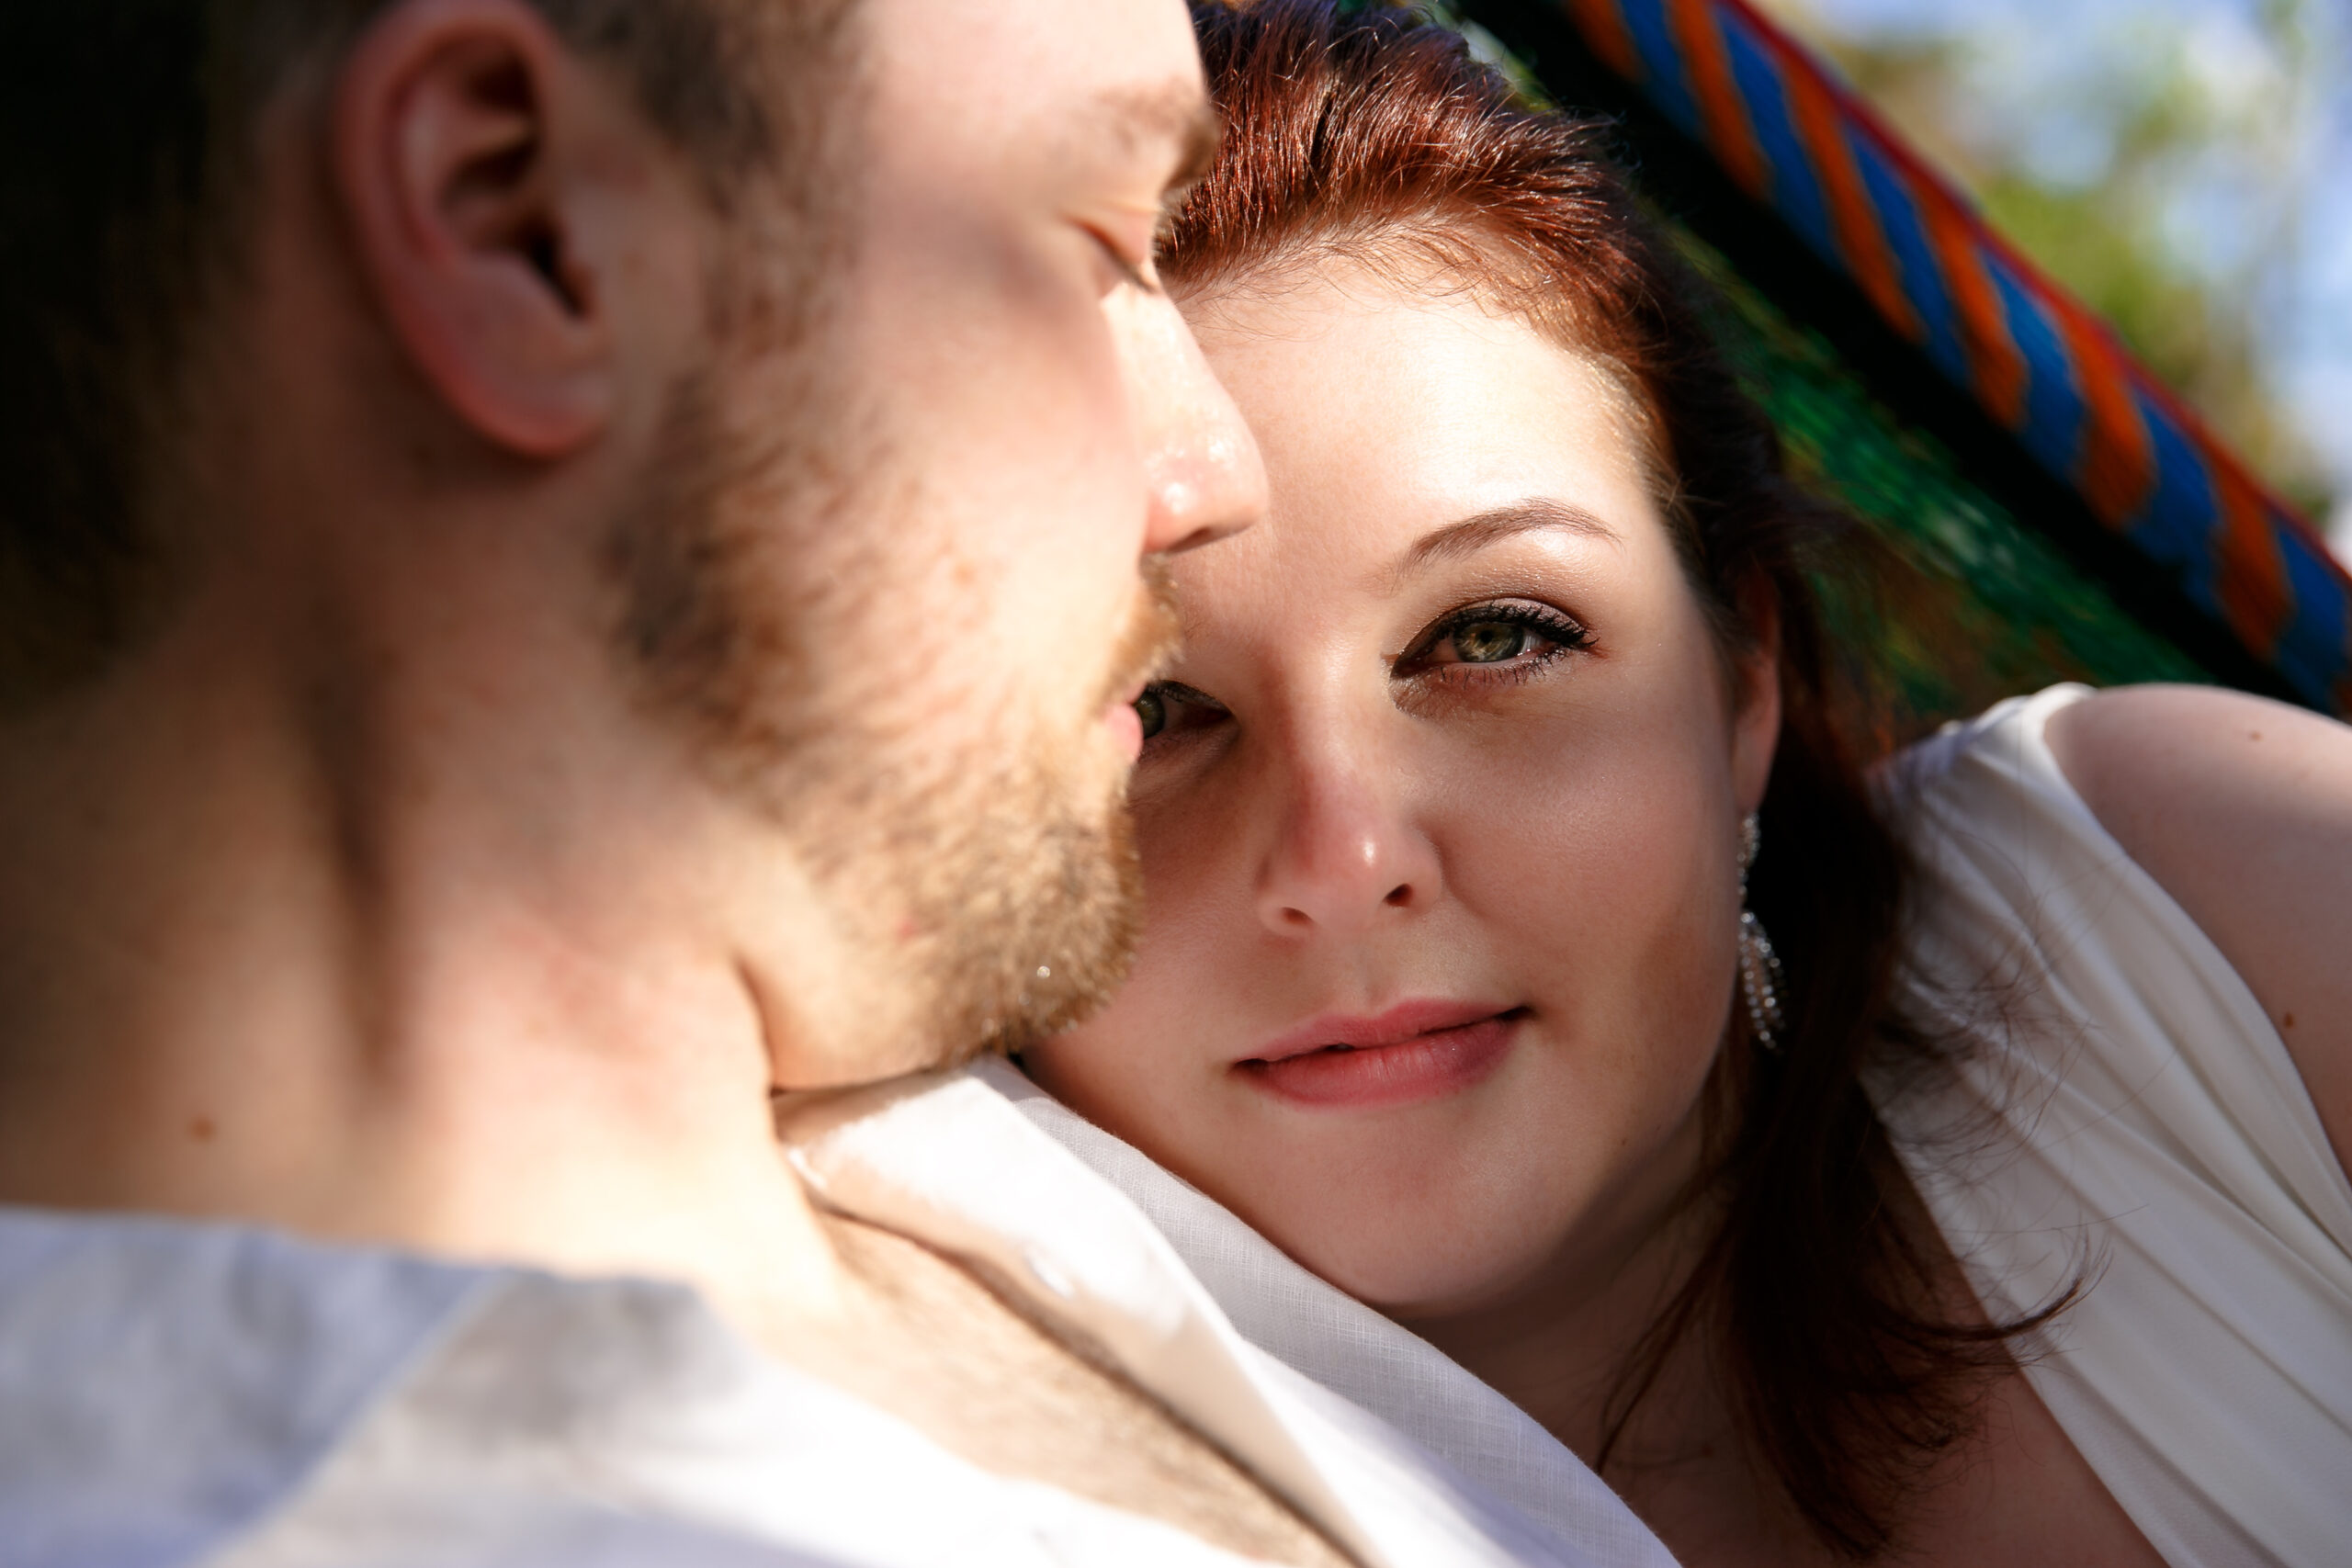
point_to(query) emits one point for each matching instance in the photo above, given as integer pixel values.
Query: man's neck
(236, 986)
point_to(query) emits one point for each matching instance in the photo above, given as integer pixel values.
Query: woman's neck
(1561, 1347)
(1558, 1343)
(1577, 1347)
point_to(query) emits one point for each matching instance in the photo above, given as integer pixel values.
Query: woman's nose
(1201, 463)
(1344, 860)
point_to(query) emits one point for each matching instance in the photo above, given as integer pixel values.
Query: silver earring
(1761, 978)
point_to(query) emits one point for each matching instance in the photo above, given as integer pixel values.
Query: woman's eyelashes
(1496, 642)
(1170, 707)
(1502, 640)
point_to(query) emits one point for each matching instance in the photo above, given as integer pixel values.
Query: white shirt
(174, 1393)
(1342, 1344)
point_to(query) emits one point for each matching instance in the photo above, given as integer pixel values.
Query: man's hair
(126, 133)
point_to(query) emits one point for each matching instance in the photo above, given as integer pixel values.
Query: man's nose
(1199, 460)
(1345, 857)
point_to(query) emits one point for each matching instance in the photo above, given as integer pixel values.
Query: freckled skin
(1554, 835)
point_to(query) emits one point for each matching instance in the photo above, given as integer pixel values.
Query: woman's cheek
(1139, 1067)
(1609, 891)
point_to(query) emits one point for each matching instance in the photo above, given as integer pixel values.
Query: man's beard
(997, 883)
(1037, 889)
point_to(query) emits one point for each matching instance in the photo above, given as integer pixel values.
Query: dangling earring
(1761, 978)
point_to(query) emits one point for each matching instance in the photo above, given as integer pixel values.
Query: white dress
(2126, 1109)
(2125, 1106)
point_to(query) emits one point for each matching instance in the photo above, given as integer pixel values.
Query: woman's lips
(1418, 1051)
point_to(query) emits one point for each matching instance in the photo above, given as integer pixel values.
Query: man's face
(1006, 419)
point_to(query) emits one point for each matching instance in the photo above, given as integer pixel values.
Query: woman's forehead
(1385, 414)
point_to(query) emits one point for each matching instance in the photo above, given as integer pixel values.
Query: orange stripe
(1697, 29)
(2251, 583)
(1823, 131)
(1604, 29)
(1998, 369)
(2115, 467)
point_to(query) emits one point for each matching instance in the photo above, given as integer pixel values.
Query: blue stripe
(1667, 80)
(1796, 190)
(2181, 521)
(1923, 280)
(2053, 406)
(2313, 650)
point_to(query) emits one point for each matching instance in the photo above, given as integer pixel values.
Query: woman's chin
(1430, 1265)
(1409, 1290)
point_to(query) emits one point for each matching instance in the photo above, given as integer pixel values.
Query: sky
(2266, 210)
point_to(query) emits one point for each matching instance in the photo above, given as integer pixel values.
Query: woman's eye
(1171, 708)
(1490, 642)
(1495, 639)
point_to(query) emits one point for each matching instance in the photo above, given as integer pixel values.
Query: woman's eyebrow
(1475, 532)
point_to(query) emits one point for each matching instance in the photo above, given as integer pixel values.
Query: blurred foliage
(1942, 602)
(2151, 124)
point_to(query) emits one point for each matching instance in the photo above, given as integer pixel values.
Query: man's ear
(1756, 691)
(454, 128)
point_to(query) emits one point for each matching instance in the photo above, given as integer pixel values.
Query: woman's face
(1440, 823)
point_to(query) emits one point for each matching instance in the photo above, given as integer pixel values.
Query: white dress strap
(2124, 1112)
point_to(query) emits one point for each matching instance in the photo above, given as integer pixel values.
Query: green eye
(1488, 642)
(1507, 641)
(1152, 708)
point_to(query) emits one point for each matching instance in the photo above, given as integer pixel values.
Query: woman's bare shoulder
(2241, 810)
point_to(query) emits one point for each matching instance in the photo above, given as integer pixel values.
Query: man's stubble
(768, 574)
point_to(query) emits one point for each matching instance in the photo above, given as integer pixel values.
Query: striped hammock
(2050, 512)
